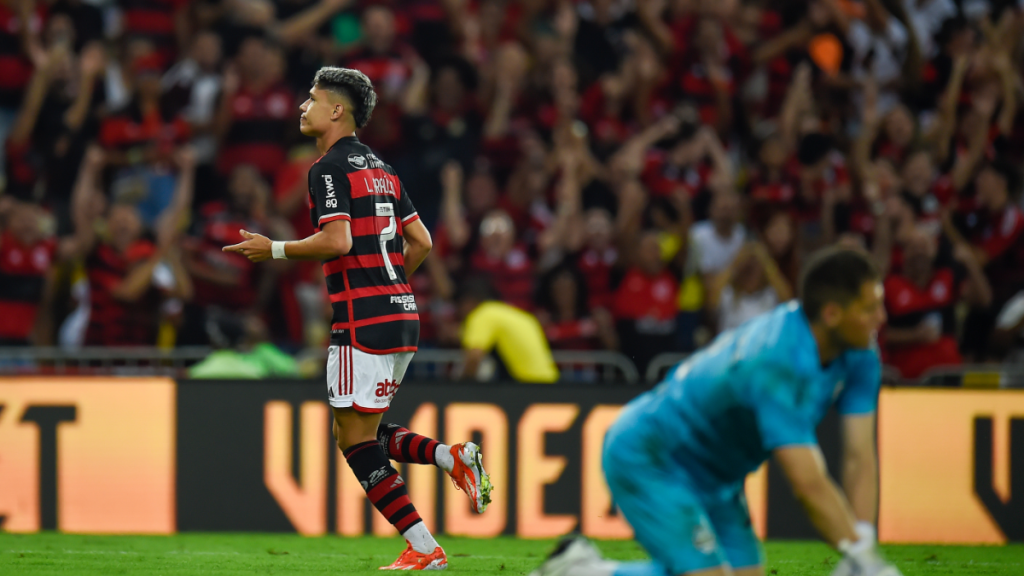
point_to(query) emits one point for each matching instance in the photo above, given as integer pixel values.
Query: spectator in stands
(440, 123)
(751, 285)
(773, 183)
(26, 255)
(58, 119)
(160, 22)
(996, 237)
(779, 235)
(693, 161)
(824, 182)
(568, 323)
(191, 87)
(598, 256)
(920, 300)
(389, 64)
(140, 142)
(465, 203)
(86, 18)
(224, 280)
(504, 260)
(257, 110)
(516, 336)
(718, 239)
(130, 276)
(644, 306)
(20, 26)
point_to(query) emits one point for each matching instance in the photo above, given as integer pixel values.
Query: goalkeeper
(677, 456)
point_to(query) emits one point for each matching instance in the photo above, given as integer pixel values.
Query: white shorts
(366, 382)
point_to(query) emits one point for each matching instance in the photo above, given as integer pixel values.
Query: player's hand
(861, 558)
(848, 567)
(256, 247)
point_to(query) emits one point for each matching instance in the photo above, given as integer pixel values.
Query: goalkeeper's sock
(403, 445)
(387, 491)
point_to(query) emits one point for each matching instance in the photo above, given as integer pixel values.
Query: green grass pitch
(227, 554)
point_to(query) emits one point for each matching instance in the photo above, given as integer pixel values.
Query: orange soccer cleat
(413, 560)
(469, 475)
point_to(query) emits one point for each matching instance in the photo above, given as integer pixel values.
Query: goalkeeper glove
(861, 558)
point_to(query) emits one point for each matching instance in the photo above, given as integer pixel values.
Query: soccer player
(677, 456)
(369, 237)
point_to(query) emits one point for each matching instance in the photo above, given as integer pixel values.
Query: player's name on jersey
(379, 186)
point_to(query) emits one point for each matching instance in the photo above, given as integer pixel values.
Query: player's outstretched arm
(333, 240)
(860, 465)
(417, 245)
(828, 510)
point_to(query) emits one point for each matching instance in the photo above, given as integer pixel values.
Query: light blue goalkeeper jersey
(756, 388)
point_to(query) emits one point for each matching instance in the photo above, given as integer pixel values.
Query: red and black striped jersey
(23, 271)
(374, 307)
(113, 322)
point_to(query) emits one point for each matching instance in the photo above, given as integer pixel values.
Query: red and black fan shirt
(908, 305)
(154, 20)
(259, 129)
(374, 306)
(23, 272)
(220, 227)
(113, 322)
(999, 236)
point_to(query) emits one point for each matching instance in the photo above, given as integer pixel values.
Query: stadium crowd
(636, 174)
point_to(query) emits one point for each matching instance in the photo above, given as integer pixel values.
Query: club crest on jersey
(332, 202)
(358, 161)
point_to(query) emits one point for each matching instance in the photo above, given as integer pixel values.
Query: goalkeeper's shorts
(681, 528)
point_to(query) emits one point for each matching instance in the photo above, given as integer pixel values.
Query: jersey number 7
(386, 235)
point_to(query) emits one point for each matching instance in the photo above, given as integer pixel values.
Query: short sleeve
(405, 208)
(480, 331)
(782, 406)
(331, 193)
(863, 379)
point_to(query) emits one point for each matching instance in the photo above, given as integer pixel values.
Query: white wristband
(277, 251)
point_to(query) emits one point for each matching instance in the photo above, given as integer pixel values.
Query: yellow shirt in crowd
(518, 337)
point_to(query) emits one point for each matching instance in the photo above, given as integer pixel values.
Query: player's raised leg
(463, 462)
(356, 433)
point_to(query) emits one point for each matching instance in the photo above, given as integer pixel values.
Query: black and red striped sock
(384, 487)
(402, 445)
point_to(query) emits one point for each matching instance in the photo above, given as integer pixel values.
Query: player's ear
(338, 112)
(831, 314)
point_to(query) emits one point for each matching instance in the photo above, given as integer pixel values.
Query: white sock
(420, 538)
(444, 458)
